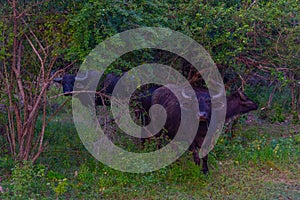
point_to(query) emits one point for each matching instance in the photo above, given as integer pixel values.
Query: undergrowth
(253, 157)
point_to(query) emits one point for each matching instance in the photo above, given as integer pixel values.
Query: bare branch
(243, 83)
(36, 39)
(35, 51)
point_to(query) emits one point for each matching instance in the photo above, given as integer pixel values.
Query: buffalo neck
(232, 107)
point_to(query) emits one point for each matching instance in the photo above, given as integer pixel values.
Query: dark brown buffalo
(106, 87)
(104, 90)
(237, 103)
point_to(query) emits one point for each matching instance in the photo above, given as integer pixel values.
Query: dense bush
(249, 41)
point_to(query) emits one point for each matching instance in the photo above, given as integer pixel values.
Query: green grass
(259, 161)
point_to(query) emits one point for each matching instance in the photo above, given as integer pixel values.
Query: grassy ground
(258, 160)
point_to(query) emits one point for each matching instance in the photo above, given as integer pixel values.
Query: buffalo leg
(195, 151)
(204, 164)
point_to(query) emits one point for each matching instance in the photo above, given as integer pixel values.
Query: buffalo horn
(186, 96)
(221, 93)
(82, 78)
(58, 79)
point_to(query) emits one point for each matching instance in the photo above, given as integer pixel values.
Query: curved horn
(220, 93)
(82, 78)
(58, 79)
(186, 96)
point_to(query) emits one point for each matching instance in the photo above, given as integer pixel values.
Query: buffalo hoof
(205, 171)
(197, 161)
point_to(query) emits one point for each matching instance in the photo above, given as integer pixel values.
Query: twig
(56, 111)
(251, 5)
(271, 95)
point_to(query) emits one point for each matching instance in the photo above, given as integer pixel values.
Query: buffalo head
(239, 103)
(68, 80)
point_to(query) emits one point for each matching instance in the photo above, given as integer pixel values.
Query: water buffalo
(140, 101)
(142, 96)
(237, 103)
(106, 87)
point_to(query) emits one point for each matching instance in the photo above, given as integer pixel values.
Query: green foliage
(278, 115)
(242, 36)
(280, 105)
(61, 187)
(54, 176)
(26, 180)
(110, 18)
(237, 163)
(57, 182)
(22, 177)
(251, 145)
(6, 163)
